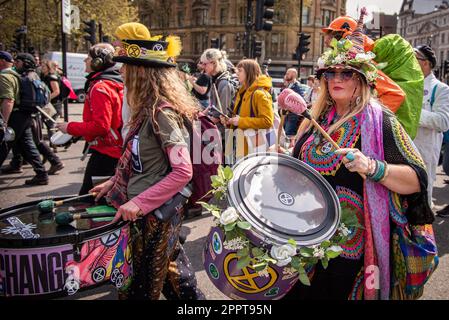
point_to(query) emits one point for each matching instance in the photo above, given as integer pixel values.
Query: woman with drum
(377, 174)
(253, 107)
(155, 166)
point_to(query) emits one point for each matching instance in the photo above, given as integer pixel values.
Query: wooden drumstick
(46, 115)
(65, 218)
(281, 126)
(48, 205)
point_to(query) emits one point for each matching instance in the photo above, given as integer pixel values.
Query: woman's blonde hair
(147, 88)
(252, 71)
(217, 57)
(324, 102)
(51, 65)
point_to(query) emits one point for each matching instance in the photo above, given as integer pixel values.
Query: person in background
(18, 115)
(201, 86)
(434, 118)
(292, 121)
(253, 106)
(50, 76)
(102, 114)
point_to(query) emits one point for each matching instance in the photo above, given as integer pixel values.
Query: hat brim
(144, 62)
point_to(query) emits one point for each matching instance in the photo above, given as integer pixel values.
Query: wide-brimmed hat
(138, 47)
(348, 53)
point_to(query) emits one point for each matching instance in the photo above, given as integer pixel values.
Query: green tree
(44, 21)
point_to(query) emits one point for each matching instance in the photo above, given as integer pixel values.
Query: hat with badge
(138, 47)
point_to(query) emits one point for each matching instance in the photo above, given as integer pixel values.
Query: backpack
(233, 81)
(202, 169)
(64, 88)
(33, 92)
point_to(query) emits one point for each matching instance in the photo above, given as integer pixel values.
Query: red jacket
(102, 113)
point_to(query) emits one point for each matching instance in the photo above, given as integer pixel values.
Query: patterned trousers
(160, 264)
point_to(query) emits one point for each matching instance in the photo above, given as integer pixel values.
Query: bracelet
(387, 171)
(379, 172)
(371, 168)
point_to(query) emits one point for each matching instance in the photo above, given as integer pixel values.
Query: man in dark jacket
(102, 114)
(292, 120)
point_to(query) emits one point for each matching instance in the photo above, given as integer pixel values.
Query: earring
(358, 100)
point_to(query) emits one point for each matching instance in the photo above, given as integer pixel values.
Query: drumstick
(46, 115)
(65, 218)
(218, 98)
(221, 113)
(48, 205)
(281, 126)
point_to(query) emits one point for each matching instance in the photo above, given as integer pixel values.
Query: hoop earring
(358, 100)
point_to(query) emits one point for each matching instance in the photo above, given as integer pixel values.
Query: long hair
(252, 71)
(52, 66)
(147, 88)
(324, 102)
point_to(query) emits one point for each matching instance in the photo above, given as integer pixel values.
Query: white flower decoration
(283, 254)
(335, 249)
(319, 253)
(344, 230)
(264, 273)
(229, 216)
(234, 244)
(362, 57)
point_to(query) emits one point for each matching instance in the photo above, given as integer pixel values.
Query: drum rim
(259, 230)
(74, 238)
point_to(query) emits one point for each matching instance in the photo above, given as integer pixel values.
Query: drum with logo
(282, 198)
(39, 258)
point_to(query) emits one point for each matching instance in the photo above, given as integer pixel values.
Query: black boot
(55, 167)
(37, 180)
(443, 213)
(9, 169)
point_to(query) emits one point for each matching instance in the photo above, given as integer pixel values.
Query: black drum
(39, 258)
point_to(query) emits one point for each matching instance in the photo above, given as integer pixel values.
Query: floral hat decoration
(348, 53)
(138, 47)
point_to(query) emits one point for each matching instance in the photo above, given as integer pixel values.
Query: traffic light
(91, 31)
(264, 14)
(19, 38)
(214, 43)
(257, 49)
(303, 46)
(446, 67)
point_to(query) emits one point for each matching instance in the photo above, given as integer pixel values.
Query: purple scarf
(377, 222)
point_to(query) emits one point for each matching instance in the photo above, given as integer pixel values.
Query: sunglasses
(344, 75)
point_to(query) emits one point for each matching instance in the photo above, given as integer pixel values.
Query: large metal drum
(282, 198)
(38, 258)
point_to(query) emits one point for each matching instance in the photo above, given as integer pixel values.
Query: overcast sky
(386, 6)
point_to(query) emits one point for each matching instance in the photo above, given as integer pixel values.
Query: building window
(223, 16)
(242, 15)
(306, 15)
(199, 42)
(443, 38)
(222, 41)
(326, 17)
(181, 16)
(274, 44)
(200, 17)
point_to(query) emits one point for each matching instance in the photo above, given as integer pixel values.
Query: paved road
(69, 180)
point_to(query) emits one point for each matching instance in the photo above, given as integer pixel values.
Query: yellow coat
(262, 106)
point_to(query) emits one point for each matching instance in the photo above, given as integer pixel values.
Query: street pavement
(68, 181)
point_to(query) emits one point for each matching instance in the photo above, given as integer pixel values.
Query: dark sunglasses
(344, 75)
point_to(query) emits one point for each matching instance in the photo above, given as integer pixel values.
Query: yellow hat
(138, 47)
(133, 30)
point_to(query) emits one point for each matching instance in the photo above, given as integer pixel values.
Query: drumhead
(23, 226)
(284, 198)
(59, 138)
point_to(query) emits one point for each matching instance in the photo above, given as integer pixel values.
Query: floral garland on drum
(288, 255)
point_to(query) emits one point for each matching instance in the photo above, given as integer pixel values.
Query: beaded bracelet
(379, 172)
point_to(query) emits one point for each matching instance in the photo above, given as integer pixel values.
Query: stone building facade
(199, 21)
(426, 22)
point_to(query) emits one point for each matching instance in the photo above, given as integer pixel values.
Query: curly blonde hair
(147, 88)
